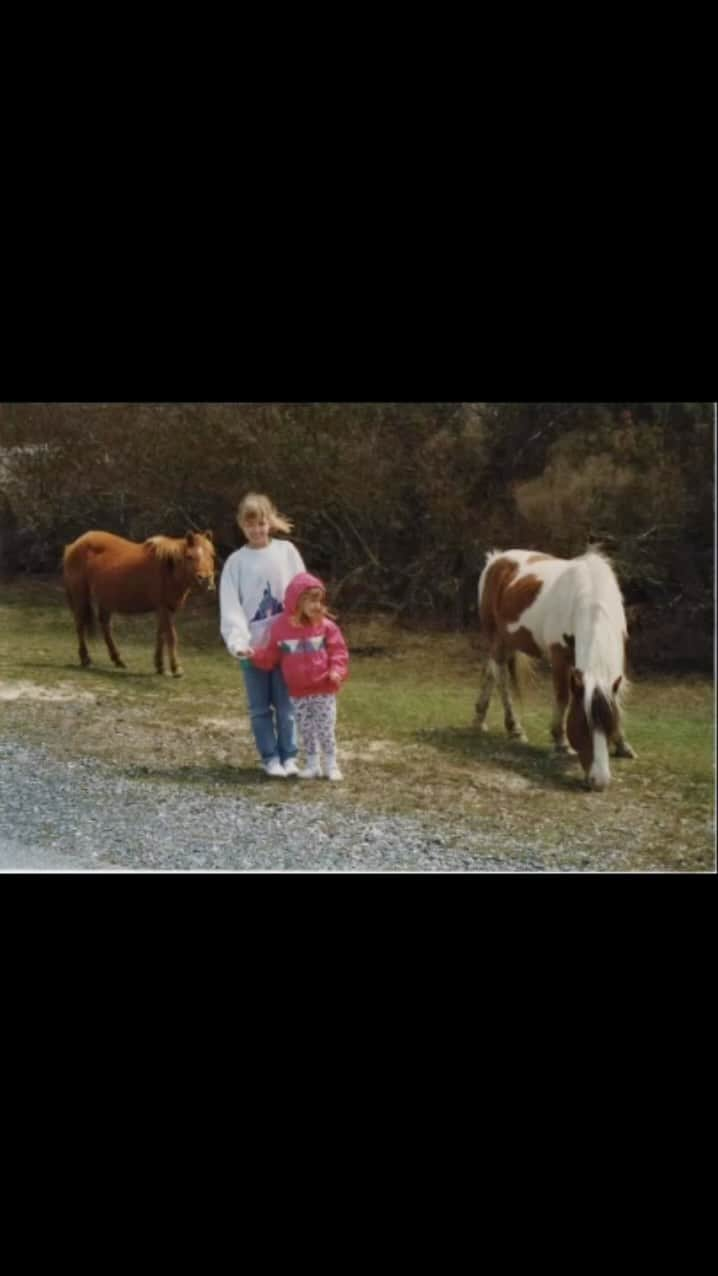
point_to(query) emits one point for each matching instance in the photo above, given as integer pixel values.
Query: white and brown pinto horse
(571, 612)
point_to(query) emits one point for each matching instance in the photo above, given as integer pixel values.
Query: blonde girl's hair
(254, 505)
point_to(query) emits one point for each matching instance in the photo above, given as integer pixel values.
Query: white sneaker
(310, 772)
(290, 767)
(275, 769)
(333, 773)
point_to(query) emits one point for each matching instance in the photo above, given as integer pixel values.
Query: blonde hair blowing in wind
(256, 505)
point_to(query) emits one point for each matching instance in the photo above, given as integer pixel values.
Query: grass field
(405, 730)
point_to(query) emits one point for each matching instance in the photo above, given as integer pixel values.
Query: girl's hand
(334, 676)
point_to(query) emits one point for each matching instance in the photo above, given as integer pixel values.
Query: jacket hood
(297, 586)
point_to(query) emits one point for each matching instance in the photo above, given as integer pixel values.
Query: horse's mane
(164, 547)
(599, 647)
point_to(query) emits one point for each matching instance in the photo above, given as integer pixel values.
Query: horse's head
(199, 559)
(593, 720)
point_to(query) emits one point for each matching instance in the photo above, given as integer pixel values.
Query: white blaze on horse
(571, 612)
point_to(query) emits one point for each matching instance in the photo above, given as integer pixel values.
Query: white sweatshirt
(251, 592)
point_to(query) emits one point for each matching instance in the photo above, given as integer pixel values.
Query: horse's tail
(521, 671)
(487, 620)
(77, 589)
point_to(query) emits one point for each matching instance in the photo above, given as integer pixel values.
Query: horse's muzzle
(596, 783)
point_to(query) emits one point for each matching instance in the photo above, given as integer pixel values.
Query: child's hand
(335, 676)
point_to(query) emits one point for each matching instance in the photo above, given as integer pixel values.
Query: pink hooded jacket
(305, 653)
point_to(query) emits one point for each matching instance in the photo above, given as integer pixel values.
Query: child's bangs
(255, 508)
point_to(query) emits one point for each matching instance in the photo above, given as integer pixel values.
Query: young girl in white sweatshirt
(251, 594)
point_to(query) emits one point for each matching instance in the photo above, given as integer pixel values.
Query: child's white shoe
(274, 768)
(310, 772)
(333, 772)
(290, 767)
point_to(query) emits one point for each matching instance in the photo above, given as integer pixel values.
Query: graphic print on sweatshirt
(294, 645)
(269, 606)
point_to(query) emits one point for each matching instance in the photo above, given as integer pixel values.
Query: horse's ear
(577, 682)
(208, 534)
(190, 538)
(617, 683)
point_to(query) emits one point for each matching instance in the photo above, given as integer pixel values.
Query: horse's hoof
(521, 736)
(564, 750)
(177, 673)
(625, 751)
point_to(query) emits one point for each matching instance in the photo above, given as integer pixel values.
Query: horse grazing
(570, 611)
(119, 575)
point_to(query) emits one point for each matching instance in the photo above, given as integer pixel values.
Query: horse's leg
(79, 602)
(82, 645)
(166, 633)
(105, 616)
(621, 747)
(488, 683)
(172, 646)
(560, 670)
(511, 722)
(160, 640)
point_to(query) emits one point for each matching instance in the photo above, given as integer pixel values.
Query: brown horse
(120, 575)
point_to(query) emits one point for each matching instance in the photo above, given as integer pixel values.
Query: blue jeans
(271, 714)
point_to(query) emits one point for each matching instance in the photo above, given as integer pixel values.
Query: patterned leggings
(316, 720)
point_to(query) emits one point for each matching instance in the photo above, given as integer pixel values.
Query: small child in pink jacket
(314, 660)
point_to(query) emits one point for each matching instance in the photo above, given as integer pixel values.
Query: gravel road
(82, 816)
